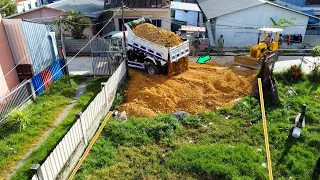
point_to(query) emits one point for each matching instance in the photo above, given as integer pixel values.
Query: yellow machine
(259, 50)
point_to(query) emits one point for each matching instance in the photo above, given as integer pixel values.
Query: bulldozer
(258, 51)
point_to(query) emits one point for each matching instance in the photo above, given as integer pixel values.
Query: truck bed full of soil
(200, 89)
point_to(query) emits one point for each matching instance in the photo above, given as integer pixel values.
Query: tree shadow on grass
(289, 142)
(316, 171)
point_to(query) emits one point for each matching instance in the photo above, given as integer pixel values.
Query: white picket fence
(84, 128)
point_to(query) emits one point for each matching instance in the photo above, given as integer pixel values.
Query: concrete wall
(312, 40)
(24, 5)
(153, 14)
(50, 15)
(257, 16)
(6, 64)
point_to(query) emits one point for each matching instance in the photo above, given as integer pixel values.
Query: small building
(239, 20)
(51, 12)
(156, 10)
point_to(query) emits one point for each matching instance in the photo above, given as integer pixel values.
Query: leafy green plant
(17, 120)
(8, 7)
(283, 23)
(74, 23)
(315, 72)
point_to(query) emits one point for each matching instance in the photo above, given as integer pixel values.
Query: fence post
(31, 90)
(36, 170)
(78, 118)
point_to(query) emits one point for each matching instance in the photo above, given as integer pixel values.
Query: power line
(66, 63)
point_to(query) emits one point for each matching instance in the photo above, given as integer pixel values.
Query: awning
(193, 28)
(185, 6)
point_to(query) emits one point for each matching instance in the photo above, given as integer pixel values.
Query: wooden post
(78, 118)
(36, 170)
(64, 52)
(124, 41)
(265, 129)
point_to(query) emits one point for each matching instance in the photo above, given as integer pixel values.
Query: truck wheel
(152, 69)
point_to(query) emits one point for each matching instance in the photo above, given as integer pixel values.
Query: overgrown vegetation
(93, 87)
(224, 144)
(74, 22)
(8, 7)
(39, 116)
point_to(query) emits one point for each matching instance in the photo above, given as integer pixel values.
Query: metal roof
(185, 6)
(141, 3)
(216, 8)
(88, 7)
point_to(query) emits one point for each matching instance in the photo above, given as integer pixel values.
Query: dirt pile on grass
(200, 89)
(156, 35)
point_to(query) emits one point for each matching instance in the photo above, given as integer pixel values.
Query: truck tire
(152, 69)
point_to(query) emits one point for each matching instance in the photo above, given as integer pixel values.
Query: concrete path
(80, 65)
(80, 90)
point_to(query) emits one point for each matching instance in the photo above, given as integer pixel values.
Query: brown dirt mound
(200, 89)
(156, 35)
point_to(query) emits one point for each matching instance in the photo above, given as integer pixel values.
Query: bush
(315, 73)
(139, 131)
(17, 120)
(293, 73)
(218, 161)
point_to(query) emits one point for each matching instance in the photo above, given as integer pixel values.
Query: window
(29, 6)
(157, 23)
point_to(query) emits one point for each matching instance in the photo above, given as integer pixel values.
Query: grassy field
(93, 87)
(41, 113)
(224, 144)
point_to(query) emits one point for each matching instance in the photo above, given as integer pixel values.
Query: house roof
(140, 3)
(216, 8)
(90, 8)
(185, 6)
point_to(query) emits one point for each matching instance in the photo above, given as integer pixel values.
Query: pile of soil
(156, 35)
(200, 89)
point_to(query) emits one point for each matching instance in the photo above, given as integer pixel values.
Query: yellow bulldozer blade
(246, 61)
(178, 67)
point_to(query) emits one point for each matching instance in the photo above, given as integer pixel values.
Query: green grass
(223, 144)
(93, 87)
(42, 112)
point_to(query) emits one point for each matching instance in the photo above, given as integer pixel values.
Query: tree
(74, 23)
(282, 23)
(8, 7)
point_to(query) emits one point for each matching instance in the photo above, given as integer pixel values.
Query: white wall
(24, 5)
(257, 16)
(153, 14)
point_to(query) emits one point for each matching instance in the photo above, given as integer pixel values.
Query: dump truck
(153, 58)
(259, 51)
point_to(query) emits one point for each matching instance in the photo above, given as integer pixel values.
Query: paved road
(83, 65)
(80, 65)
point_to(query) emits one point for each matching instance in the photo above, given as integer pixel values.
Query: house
(239, 20)
(27, 48)
(51, 12)
(189, 13)
(6, 64)
(157, 10)
(23, 5)
(311, 7)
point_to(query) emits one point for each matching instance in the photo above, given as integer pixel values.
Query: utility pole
(124, 41)
(64, 51)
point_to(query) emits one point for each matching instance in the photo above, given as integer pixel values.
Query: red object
(46, 77)
(296, 74)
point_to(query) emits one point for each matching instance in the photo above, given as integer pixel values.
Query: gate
(105, 57)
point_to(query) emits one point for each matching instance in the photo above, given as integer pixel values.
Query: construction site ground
(204, 87)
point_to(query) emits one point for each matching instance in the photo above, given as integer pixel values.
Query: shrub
(315, 73)
(17, 120)
(293, 73)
